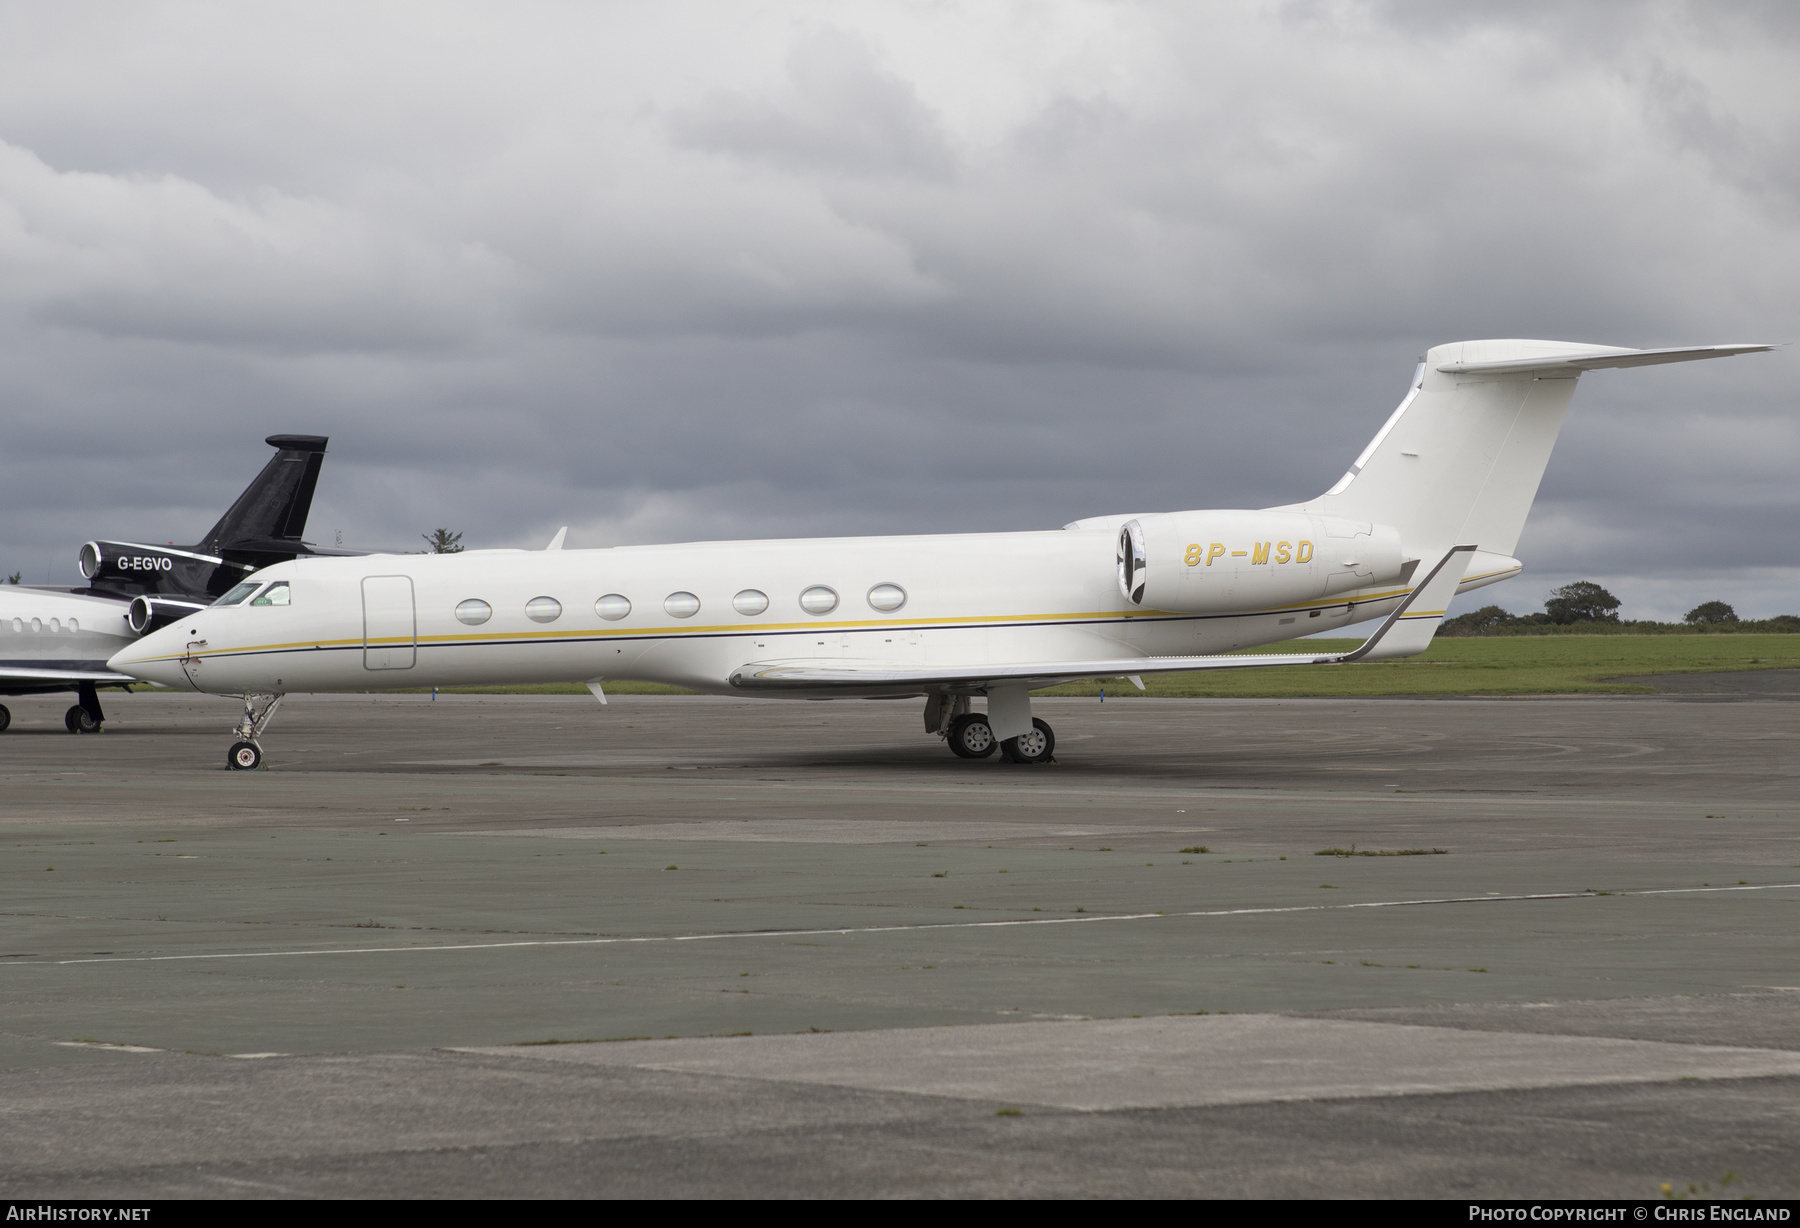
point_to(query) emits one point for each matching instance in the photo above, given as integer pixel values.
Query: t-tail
(1460, 460)
(269, 517)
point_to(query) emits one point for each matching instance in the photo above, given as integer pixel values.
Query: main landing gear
(86, 716)
(970, 736)
(246, 754)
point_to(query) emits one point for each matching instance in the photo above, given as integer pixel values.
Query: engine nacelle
(148, 613)
(1239, 562)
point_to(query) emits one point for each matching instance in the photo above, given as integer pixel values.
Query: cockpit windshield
(237, 595)
(276, 594)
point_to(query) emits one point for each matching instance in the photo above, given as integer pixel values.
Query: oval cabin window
(543, 609)
(750, 602)
(887, 597)
(612, 607)
(681, 605)
(818, 600)
(474, 611)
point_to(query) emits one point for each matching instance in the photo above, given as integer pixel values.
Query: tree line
(1586, 608)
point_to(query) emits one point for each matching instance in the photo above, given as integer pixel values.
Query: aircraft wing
(1406, 632)
(14, 673)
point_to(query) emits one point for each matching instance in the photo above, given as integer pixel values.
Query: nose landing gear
(246, 754)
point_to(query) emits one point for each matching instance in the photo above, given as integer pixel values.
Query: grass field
(1560, 665)
(1549, 665)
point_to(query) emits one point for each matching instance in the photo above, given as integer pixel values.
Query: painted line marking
(928, 925)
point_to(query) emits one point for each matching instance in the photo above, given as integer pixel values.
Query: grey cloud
(841, 112)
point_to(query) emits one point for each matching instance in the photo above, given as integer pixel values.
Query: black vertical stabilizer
(272, 510)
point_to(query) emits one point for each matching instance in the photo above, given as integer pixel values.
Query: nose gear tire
(244, 757)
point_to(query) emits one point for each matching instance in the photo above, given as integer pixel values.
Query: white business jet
(1432, 507)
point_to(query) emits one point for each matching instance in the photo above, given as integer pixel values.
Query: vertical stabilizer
(1461, 458)
(274, 507)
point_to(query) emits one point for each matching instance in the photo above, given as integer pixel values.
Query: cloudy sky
(716, 270)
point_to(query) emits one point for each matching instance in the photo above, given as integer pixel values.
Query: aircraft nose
(155, 658)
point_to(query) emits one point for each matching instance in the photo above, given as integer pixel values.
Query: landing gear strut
(246, 754)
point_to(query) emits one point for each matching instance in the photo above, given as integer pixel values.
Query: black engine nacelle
(149, 613)
(137, 563)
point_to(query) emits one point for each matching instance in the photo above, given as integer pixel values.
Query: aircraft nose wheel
(970, 737)
(79, 720)
(1034, 747)
(5, 718)
(245, 755)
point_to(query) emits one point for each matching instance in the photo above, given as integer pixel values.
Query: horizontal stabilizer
(1406, 632)
(1601, 357)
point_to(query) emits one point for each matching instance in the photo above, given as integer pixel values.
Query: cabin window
(612, 607)
(543, 609)
(474, 611)
(238, 594)
(73, 625)
(887, 597)
(276, 594)
(819, 600)
(750, 602)
(681, 605)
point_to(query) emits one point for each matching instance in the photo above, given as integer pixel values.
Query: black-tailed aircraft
(58, 639)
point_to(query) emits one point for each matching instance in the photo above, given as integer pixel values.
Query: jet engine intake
(148, 613)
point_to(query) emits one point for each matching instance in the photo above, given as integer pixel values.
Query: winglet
(1408, 630)
(557, 541)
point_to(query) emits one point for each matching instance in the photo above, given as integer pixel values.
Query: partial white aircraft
(58, 639)
(1433, 507)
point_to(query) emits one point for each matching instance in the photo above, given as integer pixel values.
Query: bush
(1477, 622)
